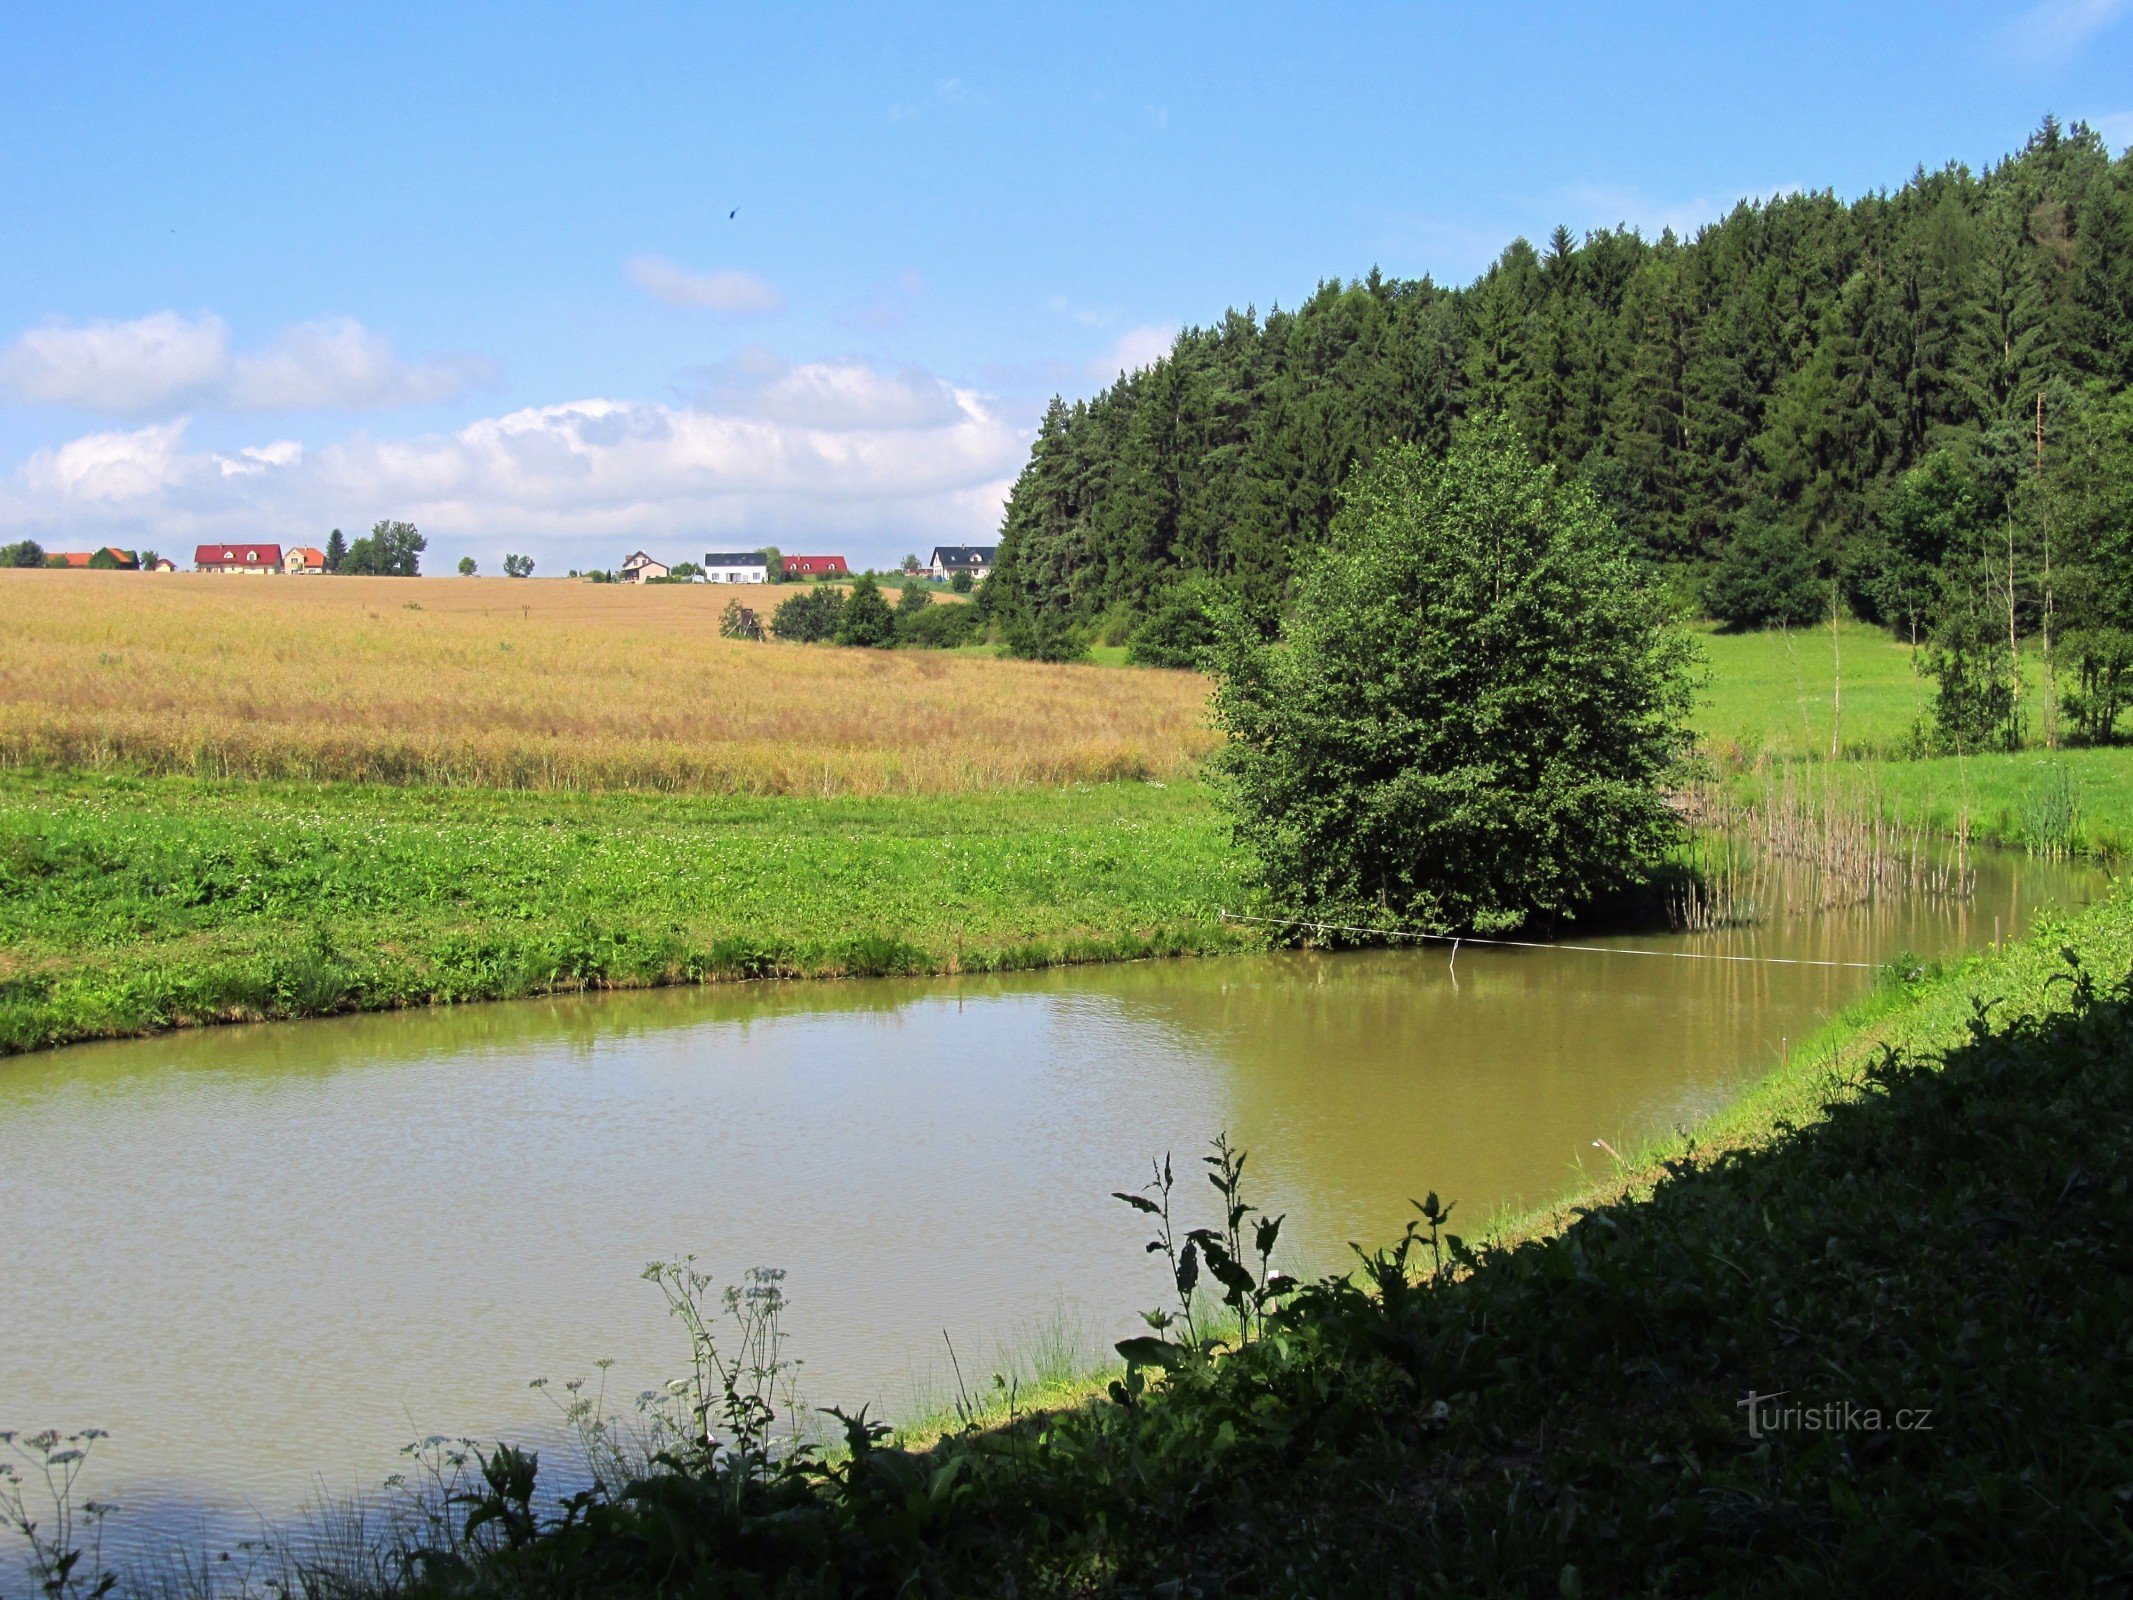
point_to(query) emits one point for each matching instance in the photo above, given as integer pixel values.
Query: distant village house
(303, 558)
(640, 567)
(815, 567)
(111, 558)
(252, 558)
(737, 566)
(949, 559)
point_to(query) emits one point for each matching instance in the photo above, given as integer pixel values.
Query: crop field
(539, 684)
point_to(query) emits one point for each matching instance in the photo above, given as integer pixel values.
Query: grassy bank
(1911, 1244)
(129, 905)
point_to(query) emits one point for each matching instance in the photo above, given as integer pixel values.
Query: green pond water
(264, 1258)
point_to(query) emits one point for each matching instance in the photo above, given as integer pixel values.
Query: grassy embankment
(1912, 1242)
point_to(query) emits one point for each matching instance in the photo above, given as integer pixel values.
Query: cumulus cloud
(737, 293)
(166, 362)
(1134, 349)
(109, 469)
(782, 453)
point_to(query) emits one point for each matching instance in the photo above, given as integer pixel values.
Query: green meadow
(129, 905)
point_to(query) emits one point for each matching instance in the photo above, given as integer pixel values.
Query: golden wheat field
(540, 684)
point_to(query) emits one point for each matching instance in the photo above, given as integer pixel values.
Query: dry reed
(1800, 848)
(540, 684)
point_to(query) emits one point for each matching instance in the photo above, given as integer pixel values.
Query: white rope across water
(1455, 940)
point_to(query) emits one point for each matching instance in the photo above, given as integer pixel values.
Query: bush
(2102, 659)
(1471, 717)
(1974, 704)
(940, 627)
(1766, 578)
(1179, 632)
(866, 621)
(22, 553)
(809, 617)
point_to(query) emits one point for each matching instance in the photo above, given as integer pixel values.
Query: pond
(264, 1258)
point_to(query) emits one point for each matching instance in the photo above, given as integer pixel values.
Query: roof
(314, 557)
(237, 555)
(812, 562)
(953, 556)
(736, 558)
(70, 558)
(638, 558)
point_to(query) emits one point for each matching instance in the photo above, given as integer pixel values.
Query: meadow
(538, 684)
(132, 904)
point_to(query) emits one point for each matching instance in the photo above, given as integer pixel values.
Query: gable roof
(237, 555)
(963, 557)
(640, 559)
(813, 563)
(736, 558)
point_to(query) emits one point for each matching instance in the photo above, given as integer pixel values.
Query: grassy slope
(1771, 695)
(1943, 1233)
(130, 904)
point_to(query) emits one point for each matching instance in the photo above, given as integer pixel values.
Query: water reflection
(265, 1257)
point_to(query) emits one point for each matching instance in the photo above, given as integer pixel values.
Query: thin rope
(1455, 940)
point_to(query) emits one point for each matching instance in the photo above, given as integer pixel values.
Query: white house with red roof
(254, 558)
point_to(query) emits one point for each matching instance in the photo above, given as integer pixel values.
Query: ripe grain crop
(540, 684)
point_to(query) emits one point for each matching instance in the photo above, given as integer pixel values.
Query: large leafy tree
(1475, 708)
(389, 550)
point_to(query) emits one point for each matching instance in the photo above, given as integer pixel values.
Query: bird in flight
(736, 211)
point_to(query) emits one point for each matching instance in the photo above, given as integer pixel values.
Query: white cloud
(118, 366)
(166, 362)
(342, 365)
(781, 453)
(109, 469)
(2056, 30)
(1134, 349)
(738, 293)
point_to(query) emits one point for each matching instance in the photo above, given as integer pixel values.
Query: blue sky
(273, 269)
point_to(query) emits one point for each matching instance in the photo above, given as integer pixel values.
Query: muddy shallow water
(264, 1258)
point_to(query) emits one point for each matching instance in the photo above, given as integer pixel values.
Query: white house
(640, 567)
(736, 566)
(949, 559)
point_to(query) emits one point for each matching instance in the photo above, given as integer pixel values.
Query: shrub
(1179, 632)
(866, 620)
(940, 627)
(810, 617)
(1474, 711)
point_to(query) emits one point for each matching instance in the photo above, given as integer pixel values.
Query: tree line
(1809, 403)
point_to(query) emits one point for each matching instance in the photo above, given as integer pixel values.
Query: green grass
(1770, 700)
(1771, 691)
(1918, 1230)
(133, 904)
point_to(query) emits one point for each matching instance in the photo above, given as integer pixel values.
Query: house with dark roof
(736, 566)
(251, 558)
(640, 567)
(949, 559)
